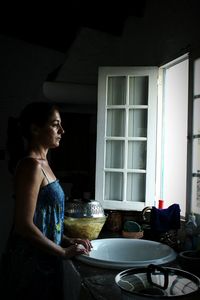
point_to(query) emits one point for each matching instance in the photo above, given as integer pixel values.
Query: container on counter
(114, 221)
(155, 282)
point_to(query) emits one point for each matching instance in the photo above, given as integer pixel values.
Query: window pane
(136, 184)
(196, 118)
(174, 135)
(137, 155)
(116, 90)
(115, 122)
(114, 154)
(138, 90)
(137, 126)
(196, 192)
(196, 155)
(197, 77)
(113, 186)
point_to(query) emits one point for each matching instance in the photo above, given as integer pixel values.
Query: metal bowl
(84, 209)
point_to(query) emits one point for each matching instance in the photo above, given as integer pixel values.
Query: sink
(121, 253)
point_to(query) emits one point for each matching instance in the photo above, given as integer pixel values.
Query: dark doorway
(74, 161)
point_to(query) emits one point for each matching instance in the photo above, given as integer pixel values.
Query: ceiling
(56, 27)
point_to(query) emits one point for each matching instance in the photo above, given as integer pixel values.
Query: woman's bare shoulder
(28, 165)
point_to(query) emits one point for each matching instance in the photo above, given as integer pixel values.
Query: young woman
(37, 244)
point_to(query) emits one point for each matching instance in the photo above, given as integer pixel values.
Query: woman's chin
(56, 145)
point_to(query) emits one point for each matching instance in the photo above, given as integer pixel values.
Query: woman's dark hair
(19, 129)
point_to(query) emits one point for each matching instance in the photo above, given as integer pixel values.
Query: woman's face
(50, 135)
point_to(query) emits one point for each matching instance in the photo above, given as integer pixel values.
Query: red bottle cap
(160, 204)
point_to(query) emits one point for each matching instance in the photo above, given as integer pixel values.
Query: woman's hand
(75, 249)
(71, 241)
(85, 242)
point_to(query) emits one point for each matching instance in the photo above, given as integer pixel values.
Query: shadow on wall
(6, 205)
(75, 160)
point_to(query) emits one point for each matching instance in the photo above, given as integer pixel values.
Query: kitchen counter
(88, 282)
(97, 283)
(85, 282)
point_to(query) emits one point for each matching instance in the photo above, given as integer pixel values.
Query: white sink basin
(120, 253)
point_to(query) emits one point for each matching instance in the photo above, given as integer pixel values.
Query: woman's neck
(39, 154)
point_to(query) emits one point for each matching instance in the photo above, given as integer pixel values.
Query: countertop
(85, 282)
(97, 283)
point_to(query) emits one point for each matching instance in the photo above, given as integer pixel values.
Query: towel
(163, 220)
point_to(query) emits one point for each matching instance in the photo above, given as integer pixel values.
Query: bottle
(114, 221)
(190, 229)
(160, 204)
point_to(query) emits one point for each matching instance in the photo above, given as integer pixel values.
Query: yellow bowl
(86, 228)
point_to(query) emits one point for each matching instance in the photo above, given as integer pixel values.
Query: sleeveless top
(26, 269)
(49, 213)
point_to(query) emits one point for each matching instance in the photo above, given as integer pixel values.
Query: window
(126, 137)
(195, 205)
(172, 133)
(145, 116)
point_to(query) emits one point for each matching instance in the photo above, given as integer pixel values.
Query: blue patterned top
(26, 268)
(49, 213)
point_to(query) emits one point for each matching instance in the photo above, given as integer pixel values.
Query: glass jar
(114, 221)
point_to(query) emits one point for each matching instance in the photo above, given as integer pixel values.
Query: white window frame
(165, 188)
(194, 133)
(104, 72)
(156, 191)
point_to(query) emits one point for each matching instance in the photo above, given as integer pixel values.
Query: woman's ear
(34, 129)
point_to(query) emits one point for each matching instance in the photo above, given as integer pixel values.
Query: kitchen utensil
(84, 209)
(155, 282)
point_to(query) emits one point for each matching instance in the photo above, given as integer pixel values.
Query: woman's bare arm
(28, 181)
